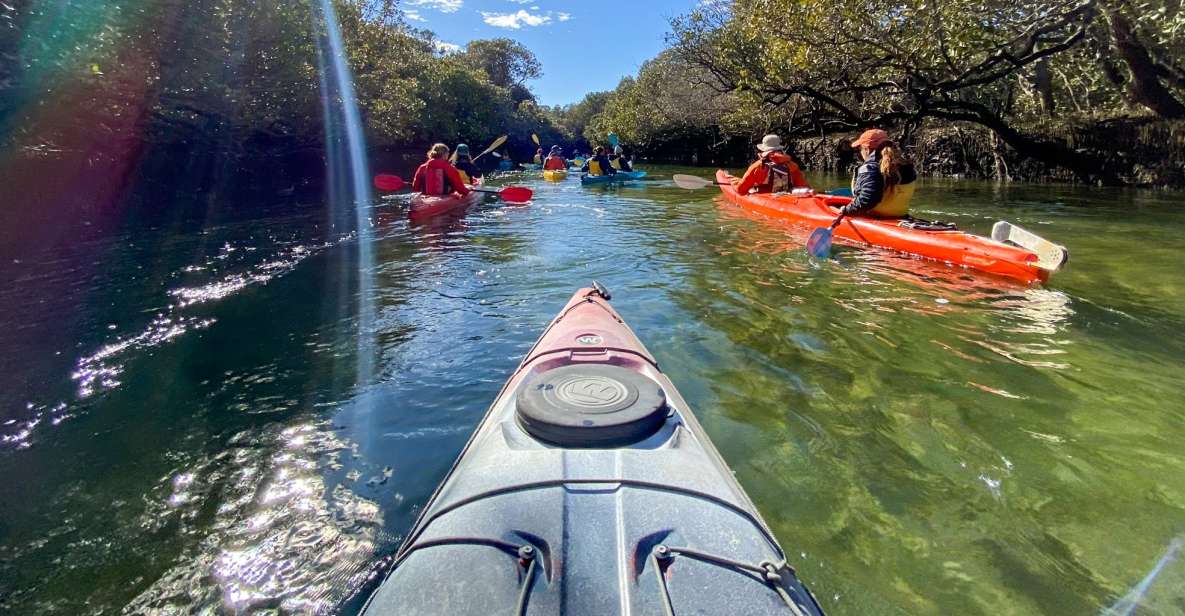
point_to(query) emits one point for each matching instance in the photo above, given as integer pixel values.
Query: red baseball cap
(872, 138)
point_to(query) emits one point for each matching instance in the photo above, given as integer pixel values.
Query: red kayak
(425, 206)
(947, 246)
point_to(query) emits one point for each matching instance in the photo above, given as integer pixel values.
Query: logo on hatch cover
(589, 339)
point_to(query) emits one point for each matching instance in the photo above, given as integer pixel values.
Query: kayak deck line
(949, 246)
(633, 483)
(589, 487)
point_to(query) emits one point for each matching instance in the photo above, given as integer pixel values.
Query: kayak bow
(590, 488)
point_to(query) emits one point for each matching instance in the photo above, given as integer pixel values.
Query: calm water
(181, 430)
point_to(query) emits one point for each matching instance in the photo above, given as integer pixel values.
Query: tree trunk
(1043, 82)
(1145, 87)
(998, 150)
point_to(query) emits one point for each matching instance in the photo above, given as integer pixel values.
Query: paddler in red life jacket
(437, 177)
(883, 185)
(598, 163)
(774, 171)
(555, 159)
(468, 170)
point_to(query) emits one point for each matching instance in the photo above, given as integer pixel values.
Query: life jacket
(434, 182)
(894, 201)
(464, 176)
(594, 167)
(538, 159)
(555, 162)
(616, 163)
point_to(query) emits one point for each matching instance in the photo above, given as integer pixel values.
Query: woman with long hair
(437, 176)
(883, 185)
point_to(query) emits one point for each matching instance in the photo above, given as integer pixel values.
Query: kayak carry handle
(601, 290)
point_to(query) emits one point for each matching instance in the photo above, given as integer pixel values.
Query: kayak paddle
(535, 138)
(510, 194)
(691, 182)
(493, 146)
(388, 182)
(819, 243)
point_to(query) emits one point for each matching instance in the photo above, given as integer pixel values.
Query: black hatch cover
(591, 405)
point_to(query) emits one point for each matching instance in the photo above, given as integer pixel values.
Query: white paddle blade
(493, 146)
(1050, 256)
(691, 182)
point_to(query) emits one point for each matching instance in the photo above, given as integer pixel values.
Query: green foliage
(506, 62)
(814, 67)
(228, 73)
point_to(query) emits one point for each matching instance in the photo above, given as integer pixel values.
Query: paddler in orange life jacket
(463, 161)
(598, 163)
(539, 156)
(774, 171)
(555, 159)
(883, 185)
(437, 177)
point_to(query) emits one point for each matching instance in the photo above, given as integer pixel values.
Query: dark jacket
(625, 164)
(868, 184)
(467, 165)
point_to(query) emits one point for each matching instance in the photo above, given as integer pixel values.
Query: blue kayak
(620, 176)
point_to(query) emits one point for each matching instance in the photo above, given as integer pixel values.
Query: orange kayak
(947, 246)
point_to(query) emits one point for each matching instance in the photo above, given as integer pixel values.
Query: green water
(182, 433)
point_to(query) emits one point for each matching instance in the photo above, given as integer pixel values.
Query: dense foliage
(1030, 74)
(100, 79)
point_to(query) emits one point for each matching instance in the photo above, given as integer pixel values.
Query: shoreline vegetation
(210, 94)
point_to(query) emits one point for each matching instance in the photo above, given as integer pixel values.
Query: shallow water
(182, 430)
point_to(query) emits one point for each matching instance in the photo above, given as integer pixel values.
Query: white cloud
(514, 21)
(519, 1)
(445, 47)
(413, 15)
(444, 6)
(563, 16)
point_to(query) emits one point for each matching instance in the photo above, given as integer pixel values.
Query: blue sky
(584, 46)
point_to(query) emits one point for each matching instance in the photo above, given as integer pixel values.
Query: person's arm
(868, 191)
(454, 178)
(754, 175)
(417, 182)
(584, 169)
(608, 167)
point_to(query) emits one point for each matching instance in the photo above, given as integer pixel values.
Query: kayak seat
(591, 406)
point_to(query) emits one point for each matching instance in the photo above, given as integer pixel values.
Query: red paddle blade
(384, 181)
(516, 194)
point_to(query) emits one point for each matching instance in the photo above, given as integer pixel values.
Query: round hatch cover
(591, 405)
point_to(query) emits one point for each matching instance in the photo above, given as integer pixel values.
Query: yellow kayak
(555, 175)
